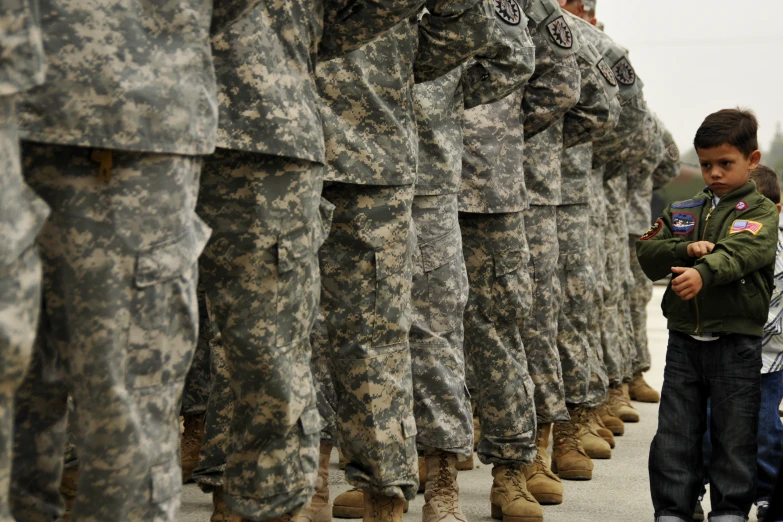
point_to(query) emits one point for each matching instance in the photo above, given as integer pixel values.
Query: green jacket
(737, 275)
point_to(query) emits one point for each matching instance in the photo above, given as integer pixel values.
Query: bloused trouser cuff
(496, 256)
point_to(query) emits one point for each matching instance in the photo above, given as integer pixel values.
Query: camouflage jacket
(502, 66)
(22, 63)
(575, 169)
(669, 168)
(125, 75)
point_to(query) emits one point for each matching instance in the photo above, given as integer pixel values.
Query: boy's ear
(755, 159)
(780, 207)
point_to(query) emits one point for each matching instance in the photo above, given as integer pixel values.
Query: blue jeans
(727, 371)
(770, 437)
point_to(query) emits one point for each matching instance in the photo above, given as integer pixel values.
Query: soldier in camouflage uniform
(22, 214)
(113, 144)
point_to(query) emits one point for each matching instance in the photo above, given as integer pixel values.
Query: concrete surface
(619, 491)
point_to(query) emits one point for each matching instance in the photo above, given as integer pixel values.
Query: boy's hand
(700, 248)
(688, 283)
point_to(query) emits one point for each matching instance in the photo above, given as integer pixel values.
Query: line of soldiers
(437, 196)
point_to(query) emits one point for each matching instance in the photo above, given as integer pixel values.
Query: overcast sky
(696, 57)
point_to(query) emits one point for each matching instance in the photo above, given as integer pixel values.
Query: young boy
(720, 248)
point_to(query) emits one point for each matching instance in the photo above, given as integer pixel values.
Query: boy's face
(575, 7)
(725, 168)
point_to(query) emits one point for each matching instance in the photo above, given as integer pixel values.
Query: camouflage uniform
(594, 116)
(119, 252)
(440, 286)
(371, 142)
(198, 382)
(21, 216)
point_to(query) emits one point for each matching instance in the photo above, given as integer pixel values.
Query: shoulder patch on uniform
(561, 32)
(624, 72)
(742, 225)
(508, 11)
(607, 73)
(673, 152)
(657, 226)
(741, 206)
(683, 223)
(689, 203)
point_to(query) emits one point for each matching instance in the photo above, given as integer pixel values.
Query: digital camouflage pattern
(156, 87)
(198, 381)
(121, 343)
(324, 384)
(260, 275)
(539, 331)
(496, 256)
(444, 419)
(22, 63)
(366, 290)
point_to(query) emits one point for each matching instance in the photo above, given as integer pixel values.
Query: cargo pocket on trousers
(392, 295)
(579, 283)
(298, 284)
(164, 310)
(310, 424)
(511, 289)
(446, 289)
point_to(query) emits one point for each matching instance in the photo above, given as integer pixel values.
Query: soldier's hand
(700, 248)
(688, 282)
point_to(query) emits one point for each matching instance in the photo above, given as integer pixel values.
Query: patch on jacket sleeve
(742, 225)
(657, 226)
(624, 72)
(741, 206)
(607, 73)
(508, 11)
(689, 203)
(683, 223)
(561, 32)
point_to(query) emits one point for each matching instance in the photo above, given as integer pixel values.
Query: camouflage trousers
(117, 332)
(496, 257)
(326, 395)
(641, 293)
(577, 290)
(198, 381)
(539, 331)
(21, 216)
(444, 419)
(366, 276)
(599, 379)
(260, 275)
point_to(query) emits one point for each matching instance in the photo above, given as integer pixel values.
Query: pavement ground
(619, 491)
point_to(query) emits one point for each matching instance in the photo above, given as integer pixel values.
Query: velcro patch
(741, 206)
(683, 223)
(688, 203)
(508, 11)
(741, 225)
(657, 226)
(607, 73)
(673, 152)
(561, 32)
(624, 72)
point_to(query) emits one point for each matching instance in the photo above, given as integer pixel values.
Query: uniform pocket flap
(310, 421)
(409, 426)
(171, 258)
(391, 261)
(166, 481)
(292, 246)
(326, 211)
(437, 253)
(508, 262)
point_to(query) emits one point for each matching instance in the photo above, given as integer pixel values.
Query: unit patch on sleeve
(741, 225)
(607, 73)
(657, 226)
(688, 203)
(561, 32)
(508, 11)
(683, 223)
(741, 206)
(624, 72)
(673, 152)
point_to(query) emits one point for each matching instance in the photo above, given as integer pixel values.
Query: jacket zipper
(696, 299)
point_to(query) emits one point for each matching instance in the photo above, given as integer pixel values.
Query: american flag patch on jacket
(741, 225)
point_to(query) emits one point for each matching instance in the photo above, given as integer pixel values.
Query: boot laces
(443, 490)
(568, 436)
(382, 508)
(514, 476)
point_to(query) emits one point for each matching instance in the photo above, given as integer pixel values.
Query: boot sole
(579, 474)
(497, 514)
(548, 499)
(611, 442)
(599, 455)
(347, 512)
(630, 419)
(650, 401)
(617, 431)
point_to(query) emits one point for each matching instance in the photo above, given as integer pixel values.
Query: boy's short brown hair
(767, 183)
(735, 127)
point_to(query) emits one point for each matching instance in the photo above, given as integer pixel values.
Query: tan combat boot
(612, 423)
(640, 391)
(510, 499)
(594, 445)
(544, 485)
(466, 465)
(380, 508)
(422, 474)
(68, 484)
(319, 509)
(601, 429)
(569, 459)
(621, 407)
(442, 492)
(220, 512)
(349, 504)
(190, 443)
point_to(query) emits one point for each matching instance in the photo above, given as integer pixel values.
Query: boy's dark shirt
(737, 274)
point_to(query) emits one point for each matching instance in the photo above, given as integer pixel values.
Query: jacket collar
(748, 188)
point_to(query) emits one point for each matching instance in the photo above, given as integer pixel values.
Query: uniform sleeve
(598, 108)
(745, 251)
(349, 24)
(658, 250)
(226, 12)
(22, 64)
(669, 167)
